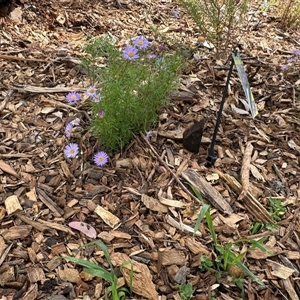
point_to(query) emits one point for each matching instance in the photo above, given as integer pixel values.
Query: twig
(4, 102)
(245, 171)
(12, 57)
(169, 170)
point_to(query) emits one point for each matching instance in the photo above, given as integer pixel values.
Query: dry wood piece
(12, 204)
(56, 226)
(34, 224)
(259, 213)
(208, 192)
(279, 270)
(290, 289)
(245, 170)
(17, 232)
(7, 275)
(196, 247)
(107, 217)
(173, 257)
(57, 211)
(8, 169)
(141, 280)
(154, 204)
(35, 274)
(67, 274)
(181, 226)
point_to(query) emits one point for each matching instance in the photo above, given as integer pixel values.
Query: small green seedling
(112, 292)
(186, 291)
(257, 227)
(226, 255)
(277, 209)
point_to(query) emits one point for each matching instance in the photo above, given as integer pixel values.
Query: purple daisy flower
(151, 56)
(100, 158)
(140, 42)
(101, 114)
(69, 129)
(293, 59)
(175, 13)
(91, 91)
(296, 52)
(130, 53)
(197, 56)
(97, 98)
(75, 122)
(71, 150)
(73, 97)
(149, 134)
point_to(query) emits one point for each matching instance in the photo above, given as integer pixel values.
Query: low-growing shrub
(132, 85)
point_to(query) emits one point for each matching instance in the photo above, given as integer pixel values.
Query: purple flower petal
(97, 98)
(197, 56)
(71, 150)
(296, 52)
(149, 134)
(73, 97)
(69, 129)
(130, 53)
(151, 56)
(101, 113)
(140, 42)
(75, 122)
(100, 158)
(91, 91)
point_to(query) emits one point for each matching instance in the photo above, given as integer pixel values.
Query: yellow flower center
(130, 54)
(73, 97)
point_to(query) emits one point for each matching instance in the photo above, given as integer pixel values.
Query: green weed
(257, 227)
(185, 291)
(277, 209)
(94, 269)
(226, 255)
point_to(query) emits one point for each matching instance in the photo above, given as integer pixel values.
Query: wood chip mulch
(141, 204)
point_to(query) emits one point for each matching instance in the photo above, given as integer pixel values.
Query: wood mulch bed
(140, 203)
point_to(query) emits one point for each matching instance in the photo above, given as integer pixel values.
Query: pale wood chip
(153, 204)
(290, 289)
(142, 283)
(257, 210)
(196, 247)
(16, 232)
(67, 274)
(12, 204)
(107, 217)
(245, 170)
(35, 274)
(207, 190)
(172, 203)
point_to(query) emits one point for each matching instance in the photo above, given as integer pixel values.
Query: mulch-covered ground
(140, 203)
